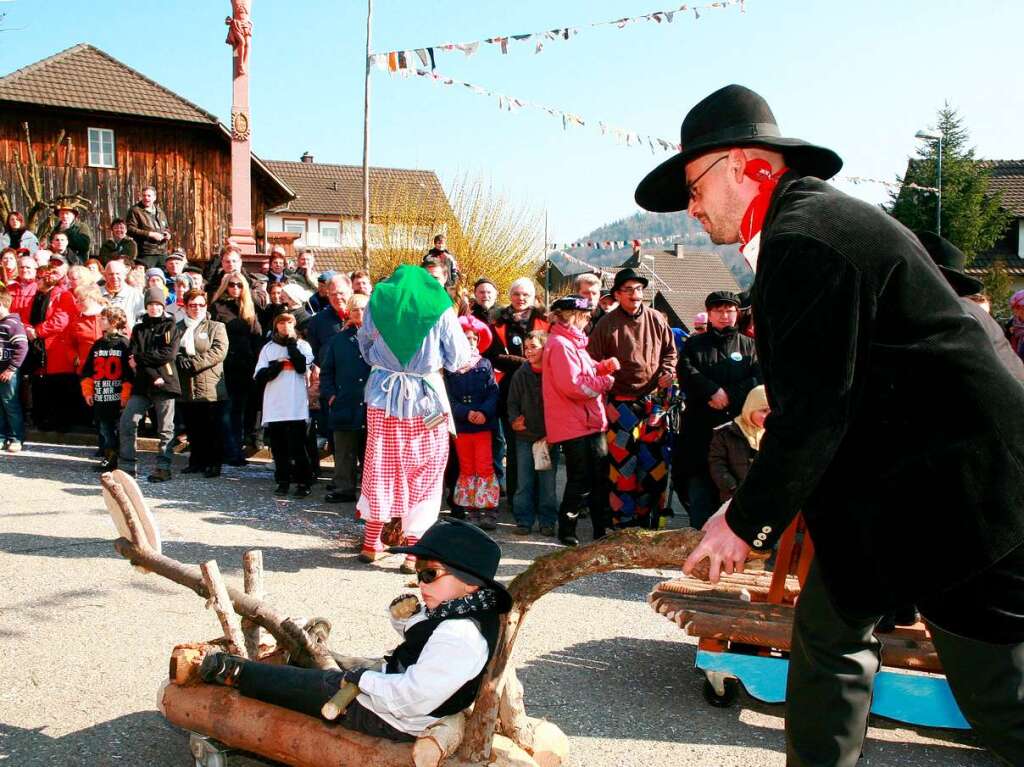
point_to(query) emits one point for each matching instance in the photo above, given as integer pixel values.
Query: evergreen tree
(972, 218)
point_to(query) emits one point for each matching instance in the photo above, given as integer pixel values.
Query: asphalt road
(85, 640)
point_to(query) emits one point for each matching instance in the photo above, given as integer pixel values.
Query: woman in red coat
(55, 392)
(86, 328)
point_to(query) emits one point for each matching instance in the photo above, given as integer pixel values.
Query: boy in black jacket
(107, 381)
(152, 349)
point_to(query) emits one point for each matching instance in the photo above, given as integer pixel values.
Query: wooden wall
(190, 166)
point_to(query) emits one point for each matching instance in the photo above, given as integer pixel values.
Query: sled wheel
(730, 690)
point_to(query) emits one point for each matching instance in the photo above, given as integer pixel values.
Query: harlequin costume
(409, 334)
(638, 446)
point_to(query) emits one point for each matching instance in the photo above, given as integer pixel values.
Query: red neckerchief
(753, 219)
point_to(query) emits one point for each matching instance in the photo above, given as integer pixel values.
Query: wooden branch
(625, 549)
(191, 577)
(439, 741)
(252, 569)
(512, 717)
(51, 153)
(222, 606)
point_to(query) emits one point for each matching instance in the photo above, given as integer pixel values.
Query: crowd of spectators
(222, 360)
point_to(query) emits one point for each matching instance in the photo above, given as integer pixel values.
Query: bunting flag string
(569, 119)
(405, 59)
(612, 244)
(604, 272)
(890, 184)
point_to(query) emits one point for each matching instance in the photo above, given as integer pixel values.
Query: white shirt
(129, 300)
(284, 398)
(455, 653)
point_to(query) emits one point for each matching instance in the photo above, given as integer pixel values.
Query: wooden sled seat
(755, 609)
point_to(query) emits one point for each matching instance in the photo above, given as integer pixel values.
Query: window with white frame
(101, 148)
(293, 225)
(330, 233)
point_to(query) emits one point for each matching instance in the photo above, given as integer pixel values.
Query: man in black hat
(857, 375)
(640, 338)
(717, 370)
(950, 260)
(435, 672)
(79, 237)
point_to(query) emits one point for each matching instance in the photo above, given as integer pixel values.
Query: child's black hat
(463, 547)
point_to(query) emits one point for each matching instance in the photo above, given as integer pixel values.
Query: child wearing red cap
(473, 394)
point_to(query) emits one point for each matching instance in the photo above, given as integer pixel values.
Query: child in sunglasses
(437, 669)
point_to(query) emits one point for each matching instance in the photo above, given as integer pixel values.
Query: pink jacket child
(572, 385)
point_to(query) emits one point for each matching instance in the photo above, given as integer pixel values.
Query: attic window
(101, 148)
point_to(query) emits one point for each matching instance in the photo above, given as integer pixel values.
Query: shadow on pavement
(595, 689)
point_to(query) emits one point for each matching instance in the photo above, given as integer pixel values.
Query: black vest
(416, 637)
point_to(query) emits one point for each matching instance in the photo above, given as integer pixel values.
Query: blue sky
(860, 77)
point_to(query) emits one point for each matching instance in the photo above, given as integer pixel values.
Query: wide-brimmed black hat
(625, 275)
(463, 547)
(733, 116)
(951, 261)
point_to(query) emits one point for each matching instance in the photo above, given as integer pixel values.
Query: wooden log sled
(748, 616)
(495, 731)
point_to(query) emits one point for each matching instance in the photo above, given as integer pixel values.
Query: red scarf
(753, 219)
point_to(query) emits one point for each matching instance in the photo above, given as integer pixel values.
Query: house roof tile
(337, 190)
(84, 77)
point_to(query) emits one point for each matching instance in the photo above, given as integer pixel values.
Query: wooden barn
(82, 123)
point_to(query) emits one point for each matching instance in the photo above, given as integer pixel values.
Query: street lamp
(935, 135)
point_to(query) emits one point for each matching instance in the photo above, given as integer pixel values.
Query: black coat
(343, 374)
(506, 349)
(244, 344)
(893, 425)
(729, 458)
(140, 223)
(710, 361)
(154, 346)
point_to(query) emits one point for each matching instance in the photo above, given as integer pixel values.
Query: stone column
(239, 37)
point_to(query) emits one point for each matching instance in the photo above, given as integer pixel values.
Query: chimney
(307, 158)
(679, 250)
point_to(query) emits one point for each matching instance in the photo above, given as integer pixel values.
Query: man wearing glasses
(862, 342)
(717, 369)
(641, 339)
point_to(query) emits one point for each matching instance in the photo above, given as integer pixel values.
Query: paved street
(85, 639)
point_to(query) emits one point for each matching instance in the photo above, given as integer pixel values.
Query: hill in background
(679, 227)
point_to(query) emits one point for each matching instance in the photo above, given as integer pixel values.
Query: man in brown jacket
(641, 339)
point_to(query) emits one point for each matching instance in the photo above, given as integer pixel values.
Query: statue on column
(239, 32)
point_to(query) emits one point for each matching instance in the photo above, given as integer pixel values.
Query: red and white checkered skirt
(403, 471)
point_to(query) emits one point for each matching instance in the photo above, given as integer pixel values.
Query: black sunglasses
(234, 284)
(430, 574)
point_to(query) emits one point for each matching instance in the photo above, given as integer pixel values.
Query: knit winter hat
(155, 296)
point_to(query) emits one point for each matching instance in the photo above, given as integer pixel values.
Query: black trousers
(835, 657)
(291, 456)
(203, 424)
(306, 690)
(57, 403)
(583, 461)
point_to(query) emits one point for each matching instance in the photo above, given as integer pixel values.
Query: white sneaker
(14, 446)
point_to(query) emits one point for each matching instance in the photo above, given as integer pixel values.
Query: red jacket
(22, 295)
(54, 331)
(83, 332)
(572, 387)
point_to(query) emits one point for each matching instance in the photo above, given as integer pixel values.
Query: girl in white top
(283, 370)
